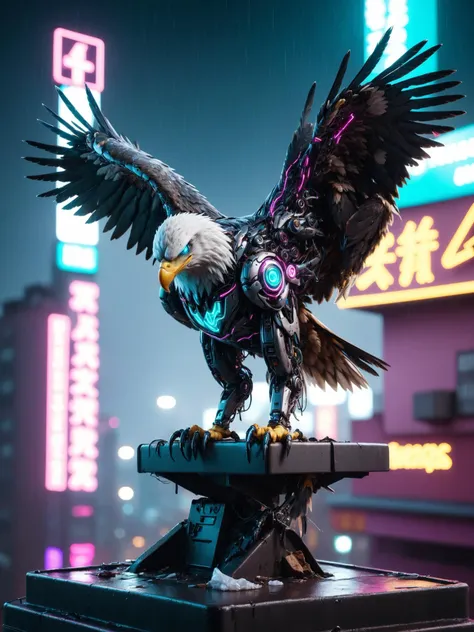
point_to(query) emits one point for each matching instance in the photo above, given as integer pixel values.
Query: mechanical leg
(225, 364)
(280, 346)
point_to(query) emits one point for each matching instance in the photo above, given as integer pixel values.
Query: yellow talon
(277, 433)
(217, 433)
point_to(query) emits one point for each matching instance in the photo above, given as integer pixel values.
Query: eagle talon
(195, 443)
(267, 440)
(173, 438)
(287, 441)
(183, 443)
(159, 444)
(205, 440)
(250, 439)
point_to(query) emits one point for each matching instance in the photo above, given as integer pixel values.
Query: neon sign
(77, 258)
(448, 172)
(430, 457)
(81, 554)
(423, 257)
(84, 395)
(53, 558)
(78, 58)
(412, 22)
(57, 397)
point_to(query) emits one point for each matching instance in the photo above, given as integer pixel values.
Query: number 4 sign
(78, 59)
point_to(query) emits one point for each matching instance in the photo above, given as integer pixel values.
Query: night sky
(214, 88)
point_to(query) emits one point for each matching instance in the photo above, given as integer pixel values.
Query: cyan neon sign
(448, 173)
(412, 21)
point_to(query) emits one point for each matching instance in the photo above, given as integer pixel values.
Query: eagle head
(194, 251)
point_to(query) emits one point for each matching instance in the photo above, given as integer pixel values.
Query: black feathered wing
(109, 177)
(348, 174)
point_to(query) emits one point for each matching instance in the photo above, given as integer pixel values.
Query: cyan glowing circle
(273, 276)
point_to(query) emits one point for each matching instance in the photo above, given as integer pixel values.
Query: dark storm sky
(215, 89)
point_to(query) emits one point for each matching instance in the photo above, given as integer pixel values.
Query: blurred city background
(90, 364)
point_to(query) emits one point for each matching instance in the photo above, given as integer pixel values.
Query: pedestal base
(112, 599)
(242, 525)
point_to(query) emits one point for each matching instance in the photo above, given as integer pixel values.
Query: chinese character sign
(57, 397)
(83, 391)
(78, 59)
(427, 254)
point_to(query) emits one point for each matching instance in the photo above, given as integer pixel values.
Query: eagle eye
(185, 250)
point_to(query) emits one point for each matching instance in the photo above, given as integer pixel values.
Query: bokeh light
(126, 452)
(166, 402)
(126, 493)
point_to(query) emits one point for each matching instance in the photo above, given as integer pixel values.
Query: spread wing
(341, 176)
(110, 177)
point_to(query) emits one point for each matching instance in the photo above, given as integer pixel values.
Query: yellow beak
(170, 269)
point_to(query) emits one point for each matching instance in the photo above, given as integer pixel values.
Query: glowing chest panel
(216, 315)
(210, 319)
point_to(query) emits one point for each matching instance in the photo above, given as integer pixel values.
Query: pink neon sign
(78, 59)
(57, 397)
(81, 554)
(53, 558)
(84, 394)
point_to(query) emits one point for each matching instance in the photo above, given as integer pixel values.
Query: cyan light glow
(212, 319)
(448, 172)
(77, 258)
(273, 276)
(412, 21)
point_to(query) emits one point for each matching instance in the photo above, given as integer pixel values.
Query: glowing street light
(126, 493)
(138, 542)
(343, 544)
(166, 402)
(126, 452)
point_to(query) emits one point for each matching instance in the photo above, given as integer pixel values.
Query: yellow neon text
(408, 260)
(430, 457)
(458, 252)
(405, 296)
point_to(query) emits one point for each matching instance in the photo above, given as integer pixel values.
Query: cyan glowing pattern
(212, 318)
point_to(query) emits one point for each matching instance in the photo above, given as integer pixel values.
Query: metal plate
(304, 458)
(354, 598)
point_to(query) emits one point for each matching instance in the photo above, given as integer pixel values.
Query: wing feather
(342, 186)
(104, 175)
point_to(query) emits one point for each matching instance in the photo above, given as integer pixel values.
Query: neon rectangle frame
(60, 34)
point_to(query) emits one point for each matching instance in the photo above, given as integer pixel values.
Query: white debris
(170, 576)
(275, 582)
(219, 581)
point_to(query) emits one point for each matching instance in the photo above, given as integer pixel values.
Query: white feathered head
(194, 251)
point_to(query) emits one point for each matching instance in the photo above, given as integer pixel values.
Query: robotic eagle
(245, 283)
